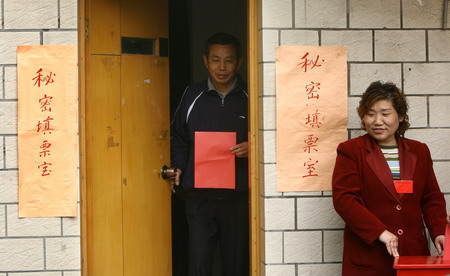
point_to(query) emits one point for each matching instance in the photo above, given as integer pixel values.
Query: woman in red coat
(385, 189)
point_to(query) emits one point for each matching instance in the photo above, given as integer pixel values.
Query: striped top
(392, 158)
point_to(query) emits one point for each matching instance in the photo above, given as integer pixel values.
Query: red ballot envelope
(447, 244)
(404, 186)
(214, 165)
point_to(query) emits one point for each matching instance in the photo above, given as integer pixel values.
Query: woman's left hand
(439, 243)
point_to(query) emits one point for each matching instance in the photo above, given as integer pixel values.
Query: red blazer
(365, 197)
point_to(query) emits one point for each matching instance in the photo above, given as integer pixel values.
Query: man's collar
(212, 87)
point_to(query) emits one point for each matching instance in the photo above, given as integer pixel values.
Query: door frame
(253, 56)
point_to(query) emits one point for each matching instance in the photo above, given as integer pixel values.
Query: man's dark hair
(223, 39)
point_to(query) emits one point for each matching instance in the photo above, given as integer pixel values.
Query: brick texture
(374, 14)
(320, 14)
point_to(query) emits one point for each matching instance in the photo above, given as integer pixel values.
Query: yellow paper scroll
(47, 130)
(311, 90)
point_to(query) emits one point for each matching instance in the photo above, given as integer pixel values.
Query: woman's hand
(391, 242)
(240, 150)
(439, 243)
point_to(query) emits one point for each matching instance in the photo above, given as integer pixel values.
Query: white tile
(21, 254)
(72, 273)
(299, 38)
(320, 13)
(268, 78)
(440, 111)
(36, 274)
(317, 213)
(273, 247)
(426, 78)
(68, 14)
(427, 15)
(356, 133)
(269, 146)
(279, 213)
(353, 118)
(11, 152)
(31, 227)
(2, 221)
(280, 270)
(60, 37)
(301, 194)
(374, 14)
(29, 14)
(439, 45)
(1, 82)
(2, 152)
(362, 74)
(270, 180)
(404, 45)
(8, 186)
(11, 82)
(269, 112)
(418, 113)
(10, 40)
(320, 269)
(269, 43)
(71, 226)
(276, 13)
(8, 117)
(63, 253)
(442, 171)
(359, 43)
(436, 140)
(333, 245)
(302, 247)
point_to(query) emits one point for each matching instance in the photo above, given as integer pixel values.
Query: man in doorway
(217, 217)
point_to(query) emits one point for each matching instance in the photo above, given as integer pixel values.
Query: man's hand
(240, 150)
(391, 242)
(175, 180)
(439, 243)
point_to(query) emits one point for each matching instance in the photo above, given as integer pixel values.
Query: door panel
(145, 137)
(149, 18)
(104, 26)
(103, 129)
(127, 142)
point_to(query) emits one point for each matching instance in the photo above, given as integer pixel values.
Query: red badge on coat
(404, 186)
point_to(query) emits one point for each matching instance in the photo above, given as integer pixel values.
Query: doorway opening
(191, 22)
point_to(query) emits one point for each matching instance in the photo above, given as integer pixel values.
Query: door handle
(167, 172)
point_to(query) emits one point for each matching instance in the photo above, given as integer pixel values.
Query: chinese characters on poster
(311, 96)
(47, 130)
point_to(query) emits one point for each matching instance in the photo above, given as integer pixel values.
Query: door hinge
(86, 28)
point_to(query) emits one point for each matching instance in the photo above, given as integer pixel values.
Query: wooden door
(126, 141)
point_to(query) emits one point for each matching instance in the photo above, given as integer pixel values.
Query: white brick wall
(368, 14)
(320, 13)
(388, 40)
(29, 14)
(359, 43)
(31, 246)
(426, 78)
(404, 45)
(21, 254)
(427, 16)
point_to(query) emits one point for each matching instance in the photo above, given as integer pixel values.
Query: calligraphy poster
(311, 90)
(47, 130)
